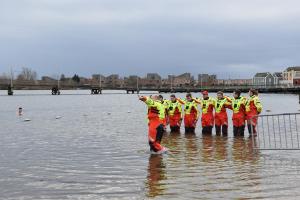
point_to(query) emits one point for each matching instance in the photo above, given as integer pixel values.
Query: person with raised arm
(156, 116)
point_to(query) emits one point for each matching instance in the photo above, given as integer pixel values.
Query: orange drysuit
(207, 119)
(156, 116)
(253, 109)
(221, 119)
(191, 114)
(175, 116)
(238, 116)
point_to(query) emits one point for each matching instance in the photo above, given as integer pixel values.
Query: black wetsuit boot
(174, 129)
(235, 131)
(189, 130)
(210, 129)
(224, 130)
(241, 130)
(159, 133)
(249, 126)
(204, 130)
(251, 130)
(218, 130)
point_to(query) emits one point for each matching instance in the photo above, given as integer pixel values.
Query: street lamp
(137, 84)
(171, 83)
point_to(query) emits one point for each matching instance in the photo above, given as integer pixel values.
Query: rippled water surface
(98, 149)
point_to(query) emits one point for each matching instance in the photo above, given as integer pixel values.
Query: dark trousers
(223, 129)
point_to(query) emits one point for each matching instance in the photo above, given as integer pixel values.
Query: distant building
(291, 76)
(98, 80)
(182, 80)
(234, 82)
(165, 82)
(48, 79)
(84, 80)
(98, 76)
(263, 79)
(152, 80)
(113, 81)
(132, 81)
(153, 76)
(278, 77)
(206, 79)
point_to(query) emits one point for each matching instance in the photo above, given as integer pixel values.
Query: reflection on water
(156, 173)
(221, 148)
(212, 166)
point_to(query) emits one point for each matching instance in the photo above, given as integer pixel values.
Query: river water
(98, 149)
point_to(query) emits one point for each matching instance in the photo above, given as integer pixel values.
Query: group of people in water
(162, 112)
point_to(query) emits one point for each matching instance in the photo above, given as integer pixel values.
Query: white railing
(277, 132)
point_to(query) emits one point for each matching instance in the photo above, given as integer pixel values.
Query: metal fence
(277, 132)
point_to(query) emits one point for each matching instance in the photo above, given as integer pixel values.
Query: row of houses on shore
(289, 77)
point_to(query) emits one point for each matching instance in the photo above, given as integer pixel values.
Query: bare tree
(62, 77)
(4, 76)
(27, 74)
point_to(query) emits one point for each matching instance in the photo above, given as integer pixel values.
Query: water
(98, 150)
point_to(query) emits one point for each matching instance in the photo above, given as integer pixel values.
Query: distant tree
(4, 76)
(76, 78)
(62, 77)
(27, 74)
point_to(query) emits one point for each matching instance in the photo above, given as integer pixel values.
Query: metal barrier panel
(276, 132)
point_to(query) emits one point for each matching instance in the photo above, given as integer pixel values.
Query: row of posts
(55, 91)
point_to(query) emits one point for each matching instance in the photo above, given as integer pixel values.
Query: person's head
(253, 92)
(160, 97)
(220, 95)
(172, 97)
(188, 96)
(236, 93)
(154, 97)
(205, 94)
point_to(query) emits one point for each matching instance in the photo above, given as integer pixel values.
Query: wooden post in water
(10, 87)
(137, 86)
(100, 84)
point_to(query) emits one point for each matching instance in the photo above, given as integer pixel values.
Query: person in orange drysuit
(156, 115)
(238, 117)
(221, 119)
(174, 113)
(207, 119)
(253, 109)
(191, 113)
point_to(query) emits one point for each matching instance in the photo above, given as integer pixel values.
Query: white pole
(11, 77)
(201, 81)
(100, 83)
(57, 81)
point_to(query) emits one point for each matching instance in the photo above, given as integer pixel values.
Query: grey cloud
(230, 38)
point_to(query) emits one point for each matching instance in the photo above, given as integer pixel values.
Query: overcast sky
(225, 37)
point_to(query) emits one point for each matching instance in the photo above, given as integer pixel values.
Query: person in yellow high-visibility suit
(165, 104)
(238, 104)
(207, 119)
(253, 109)
(191, 113)
(174, 113)
(156, 116)
(221, 119)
